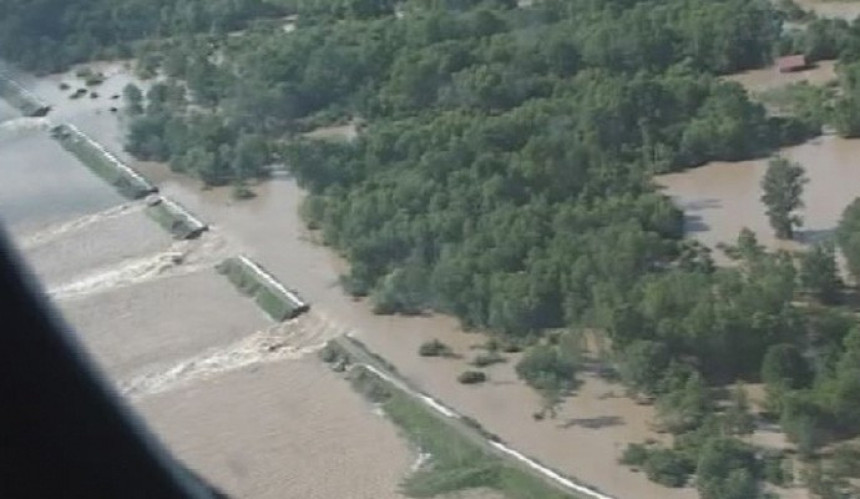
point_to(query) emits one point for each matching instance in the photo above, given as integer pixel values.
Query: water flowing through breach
(26, 124)
(181, 258)
(54, 232)
(288, 340)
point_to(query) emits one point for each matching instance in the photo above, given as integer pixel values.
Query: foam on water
(182, 257)
(24, 124)
(289, 340)
(54, 232)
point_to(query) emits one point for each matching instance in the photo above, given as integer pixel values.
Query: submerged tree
(848, 236)
(819, 274)
(783, 188)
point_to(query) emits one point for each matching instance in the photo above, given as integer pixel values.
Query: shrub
(434, 348)
(634, 455)
(471, 377)
(487, 359)
(668, 467)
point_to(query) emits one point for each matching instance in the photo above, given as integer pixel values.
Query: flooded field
(759, 80)
(719, 199)
(7, 112)
(41, 186)
(166, 335)
(585, 441)
(847, 10)
(200, 360)
(310, 438)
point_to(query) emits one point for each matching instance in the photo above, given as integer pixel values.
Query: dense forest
(48, 35)
(503, 175)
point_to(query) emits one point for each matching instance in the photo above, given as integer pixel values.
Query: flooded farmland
(759, 80)
(231, 393)
(844, 9)
(585, 441)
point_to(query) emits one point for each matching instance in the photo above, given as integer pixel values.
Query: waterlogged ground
(6, 111)
(239, 398)
(759, 80)
(41, 186)
(291, 429)
(584, 441)
(847, 10)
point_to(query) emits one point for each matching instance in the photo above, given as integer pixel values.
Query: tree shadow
(701, 204)
(812, 236)
(595, 423)
(695, 223)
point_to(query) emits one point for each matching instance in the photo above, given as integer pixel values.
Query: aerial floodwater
(236, 396)
(847, 10)
(719, 199)
(207, 368)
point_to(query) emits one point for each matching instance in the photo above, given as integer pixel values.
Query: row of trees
(48, 35)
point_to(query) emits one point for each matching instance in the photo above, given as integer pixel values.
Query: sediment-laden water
(720, 199)
(844, 9)
(242, 400)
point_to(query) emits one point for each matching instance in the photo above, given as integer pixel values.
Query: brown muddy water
(720, 199)
(162, 324)
(759, 80)
(7, 112)
(232, 402)
(847, 10)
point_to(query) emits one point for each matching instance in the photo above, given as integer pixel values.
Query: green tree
(548, 367)
(783, 369)
(848, 237)
(668, 467)
(684, 409)
(727, 469)
(738, 419)
(133, 98)
(782, 188)
(819, 274)
(643, 365)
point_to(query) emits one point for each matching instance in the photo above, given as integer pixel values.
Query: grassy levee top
(458, 453)
(104, 164)
(251, 280)
(20, 98)
(175, 219)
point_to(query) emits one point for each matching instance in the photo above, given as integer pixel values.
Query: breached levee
(283, 341)
(54, 232)
(21, 98)
(181, 258)
(24, 124)
(174, 218)
(279, 302)
(102, 162)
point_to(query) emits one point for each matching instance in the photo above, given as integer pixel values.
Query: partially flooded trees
(783, 187)
(848, 237)
(819, 274)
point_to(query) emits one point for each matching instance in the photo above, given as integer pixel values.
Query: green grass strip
(100, 164)
(457, 462)
(172, 221)
(12, 93)
(252, 284)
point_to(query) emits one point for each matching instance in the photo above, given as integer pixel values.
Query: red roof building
(791, 63)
